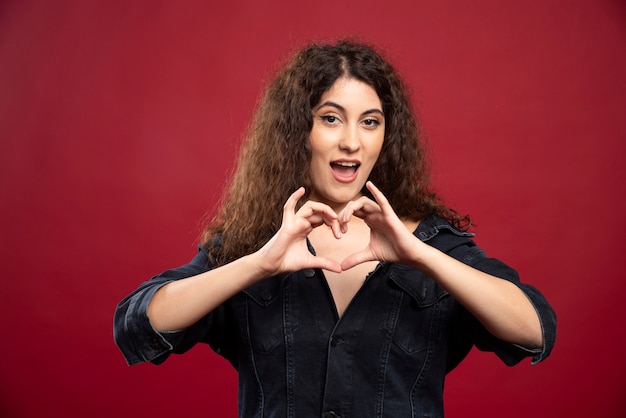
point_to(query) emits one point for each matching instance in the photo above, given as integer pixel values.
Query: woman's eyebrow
(368, 112)
(331, 104)
(342, 109)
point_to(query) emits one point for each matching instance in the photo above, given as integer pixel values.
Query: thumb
(328, 264)
(356, 259)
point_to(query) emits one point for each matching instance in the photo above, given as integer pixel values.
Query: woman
(332, 278)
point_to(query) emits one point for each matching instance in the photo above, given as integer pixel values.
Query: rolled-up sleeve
(512, 354)
(466, 330)
(133, 333)
(547, 319)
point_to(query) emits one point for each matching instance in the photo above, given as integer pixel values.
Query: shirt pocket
(264, 315)
(421, 311)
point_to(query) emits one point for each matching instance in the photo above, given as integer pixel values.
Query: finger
(378, 196)
(360, 207)
(335, 226)
(356, 259)
(290, 204)
(318, 213)
(312, 208)
(345, 216)
(327, 264)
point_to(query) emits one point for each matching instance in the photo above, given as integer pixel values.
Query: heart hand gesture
(287, 250)
(390, 240)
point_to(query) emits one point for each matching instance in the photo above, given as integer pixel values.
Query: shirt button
(333, 343)
(154, 344)
(266, 295)
(309, 273)
(330, 414)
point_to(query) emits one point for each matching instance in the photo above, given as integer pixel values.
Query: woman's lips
(345, 171)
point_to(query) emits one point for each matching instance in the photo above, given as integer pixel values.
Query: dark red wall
(119, 121)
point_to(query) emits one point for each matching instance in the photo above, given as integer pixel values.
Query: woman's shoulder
(435, 225)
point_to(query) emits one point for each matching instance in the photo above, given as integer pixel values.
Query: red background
(119, 121)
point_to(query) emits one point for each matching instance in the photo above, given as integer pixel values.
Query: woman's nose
(350, 140)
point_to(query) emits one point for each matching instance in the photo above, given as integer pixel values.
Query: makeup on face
(346, 139)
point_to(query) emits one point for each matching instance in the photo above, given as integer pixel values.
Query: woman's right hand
(287, 250)
(181, 303)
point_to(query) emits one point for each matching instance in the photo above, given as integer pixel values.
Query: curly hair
(275, 157)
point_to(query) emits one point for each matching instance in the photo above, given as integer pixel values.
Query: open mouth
(345, 170)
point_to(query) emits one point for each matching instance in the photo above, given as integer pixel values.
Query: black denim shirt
(387, 356)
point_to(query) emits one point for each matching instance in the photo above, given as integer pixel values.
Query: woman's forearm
(181, 303)
(498, 304)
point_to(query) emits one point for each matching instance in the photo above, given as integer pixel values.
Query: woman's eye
(371, 122)
(330, 119)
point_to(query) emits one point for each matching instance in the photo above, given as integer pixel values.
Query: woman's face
(346, 139)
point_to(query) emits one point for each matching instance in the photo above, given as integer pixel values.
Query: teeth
(346, 164)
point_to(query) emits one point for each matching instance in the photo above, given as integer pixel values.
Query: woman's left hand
(498, 304)
(390, 240)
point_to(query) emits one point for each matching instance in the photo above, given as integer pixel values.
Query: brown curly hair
(274, 160)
